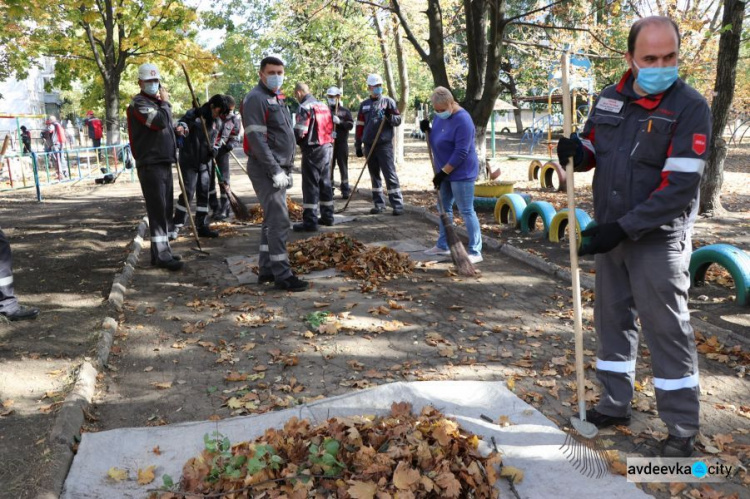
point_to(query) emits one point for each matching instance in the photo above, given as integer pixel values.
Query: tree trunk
(383, 41)
(403, 82)
(112, 109)
(726, 74)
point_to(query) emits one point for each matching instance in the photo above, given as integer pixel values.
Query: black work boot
(600, 420)
(173, 264)
(205, 231)
(377, 210)
(325, 221)
(22, 313)
(265, 278)
(292, 283)
(674, 446)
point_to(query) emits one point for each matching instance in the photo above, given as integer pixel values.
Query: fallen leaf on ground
(146, 476)
(117, 474)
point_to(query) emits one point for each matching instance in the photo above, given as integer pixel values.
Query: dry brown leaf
(162, 386)
(362, 490)
(511, 472)
(447, 481)
(146, 476)
(405, 476)
(117, 474)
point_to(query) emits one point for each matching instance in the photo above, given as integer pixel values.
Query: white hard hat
(148, 71)
(333, 91)
(52, 119)
(374, 79)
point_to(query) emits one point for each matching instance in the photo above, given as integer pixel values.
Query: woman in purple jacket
(457, 164)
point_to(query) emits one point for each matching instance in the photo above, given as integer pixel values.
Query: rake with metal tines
(582, 447)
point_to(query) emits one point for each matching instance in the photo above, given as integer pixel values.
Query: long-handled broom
(582, 447)
(193, 229)
(238, 207)
(458, 253)
(367, 159)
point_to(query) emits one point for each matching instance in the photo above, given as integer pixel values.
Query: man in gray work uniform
(648, 137)
(269, 144)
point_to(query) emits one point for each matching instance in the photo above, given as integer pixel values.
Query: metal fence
(40, 169)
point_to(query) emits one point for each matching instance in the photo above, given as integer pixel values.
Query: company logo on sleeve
(699, 143)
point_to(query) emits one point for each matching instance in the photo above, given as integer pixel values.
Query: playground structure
(581, 85)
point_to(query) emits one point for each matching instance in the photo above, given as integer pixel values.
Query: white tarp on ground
(532, 443)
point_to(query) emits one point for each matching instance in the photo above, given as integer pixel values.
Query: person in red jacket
(95, 130)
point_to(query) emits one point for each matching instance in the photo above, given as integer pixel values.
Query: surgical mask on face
(444, 115)
(655, 80)
(377, 91)
(274, 82)
(331, 102)
(151, 88)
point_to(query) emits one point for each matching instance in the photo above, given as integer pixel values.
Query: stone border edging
(120, 283)
(562, 273)
(71, 417)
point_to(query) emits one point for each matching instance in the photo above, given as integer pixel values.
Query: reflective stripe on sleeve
(588, 145)
(301, 126)
(256, 128)
(201, 209)
(278, 258)
(159, 239)
(6, 281)
(180, 207)
(615, 366)
(684, 165)
(360, 123)
(264, 248)
(676, 384)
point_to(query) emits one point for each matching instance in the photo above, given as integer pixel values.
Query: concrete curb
(120, 283)
(69, 420)
(587, 282)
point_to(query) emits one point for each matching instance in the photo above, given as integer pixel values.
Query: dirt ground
(194, 346)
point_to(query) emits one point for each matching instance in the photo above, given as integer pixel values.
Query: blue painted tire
(484, 203)
(559, 225)
(733, 259)
(509, 208)
(526, 197)
(534, 210)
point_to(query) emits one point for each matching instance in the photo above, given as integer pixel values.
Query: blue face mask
(444, 115)
(274, 82)
(151, 88)
(377, 91)
(655, 80)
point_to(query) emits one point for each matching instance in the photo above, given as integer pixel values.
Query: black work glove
(358, 150)
(424, 125)
(604, 238)
(438, 178)
(213, 152)
(567, 147)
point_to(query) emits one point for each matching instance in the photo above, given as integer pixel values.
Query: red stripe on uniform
(664, 182)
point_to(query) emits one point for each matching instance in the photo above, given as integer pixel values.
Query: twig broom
(367, 159)
(458, 253)
(581, 447)
(238, 207)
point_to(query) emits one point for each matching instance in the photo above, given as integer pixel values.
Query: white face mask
(151, 88)
(331, 102)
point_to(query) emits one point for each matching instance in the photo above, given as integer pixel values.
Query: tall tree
(105, 37)
(726, 75)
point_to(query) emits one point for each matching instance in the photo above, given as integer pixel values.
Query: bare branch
(540, 9)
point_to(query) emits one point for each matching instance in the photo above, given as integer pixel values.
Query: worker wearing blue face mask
(648, 137)
(269, 143)
(372, 112)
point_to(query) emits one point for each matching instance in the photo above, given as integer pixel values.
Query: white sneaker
(435, 251)
(476, 258)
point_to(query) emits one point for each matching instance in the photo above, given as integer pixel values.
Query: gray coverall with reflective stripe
(649, 154)
(269, 144)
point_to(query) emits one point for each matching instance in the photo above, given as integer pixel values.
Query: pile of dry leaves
(337, 250)
(362, 457)
(295, 211)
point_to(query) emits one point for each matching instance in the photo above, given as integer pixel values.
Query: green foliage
(325, 456)
(316, 319)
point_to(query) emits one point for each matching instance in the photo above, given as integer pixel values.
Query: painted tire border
(548, 170)
(510, 204)
(535, 167)
(536, 209)
(733, 259)
(560, 223)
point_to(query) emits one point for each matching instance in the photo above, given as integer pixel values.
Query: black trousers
(341, 155)
(156, 185)
(197, 182)
(219, 205)
(316, 184)
(8, 301)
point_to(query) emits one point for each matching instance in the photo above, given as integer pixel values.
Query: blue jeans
(463, 194)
